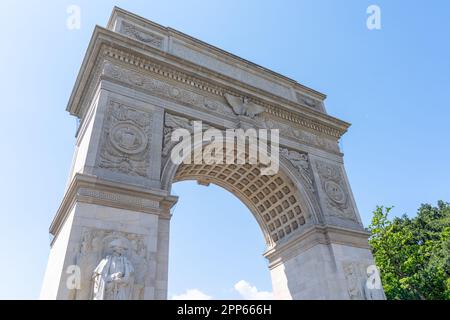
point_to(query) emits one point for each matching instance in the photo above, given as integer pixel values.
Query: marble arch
(137, 83)
(278, 204)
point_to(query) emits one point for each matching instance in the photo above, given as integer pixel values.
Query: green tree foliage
(413, 255)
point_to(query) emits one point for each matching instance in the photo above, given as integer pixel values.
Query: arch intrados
(278, 205)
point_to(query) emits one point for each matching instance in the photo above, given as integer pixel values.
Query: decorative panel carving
(126, 140)
(337, 197)
(139, 34)
(300, 162)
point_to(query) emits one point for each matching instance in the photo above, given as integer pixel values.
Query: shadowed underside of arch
(273, 200)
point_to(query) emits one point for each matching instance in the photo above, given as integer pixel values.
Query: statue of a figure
(114, 275)
(374, 294)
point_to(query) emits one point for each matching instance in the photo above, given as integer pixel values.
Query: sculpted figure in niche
(114, 275)
(374, 294)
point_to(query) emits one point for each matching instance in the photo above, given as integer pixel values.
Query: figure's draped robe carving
(113, 279)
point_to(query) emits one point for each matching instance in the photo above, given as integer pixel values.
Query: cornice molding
(194, 82)
(111, 45)
(90, 189)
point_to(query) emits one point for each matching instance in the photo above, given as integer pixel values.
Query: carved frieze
(166, 90)
(336, 192)
(183, 78)
(184, 96)
(302, 135)
(95, 245)
(126, 140)
(118, 199)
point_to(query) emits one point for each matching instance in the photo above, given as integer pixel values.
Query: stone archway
(274, 201)
(277, 203)
(137, 83)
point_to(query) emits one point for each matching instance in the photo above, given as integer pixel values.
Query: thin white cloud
(249, 292)
(192, 294)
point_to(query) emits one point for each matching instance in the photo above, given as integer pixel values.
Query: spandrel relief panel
(130, 142)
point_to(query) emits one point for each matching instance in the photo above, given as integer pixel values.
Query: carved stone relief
(144, 36)
(189, 80)
(114, 275)
(188, 97)
(96, 245)
(307, 101)
(126, 140)
(300, 162)
(172, 122)
(356, 278)
(302, 135)
(166, 90)
(242, 106)
(336, 193)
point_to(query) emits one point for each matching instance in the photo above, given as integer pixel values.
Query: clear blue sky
(392, 84)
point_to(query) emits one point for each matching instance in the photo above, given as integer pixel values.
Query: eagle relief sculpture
(242, 106)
